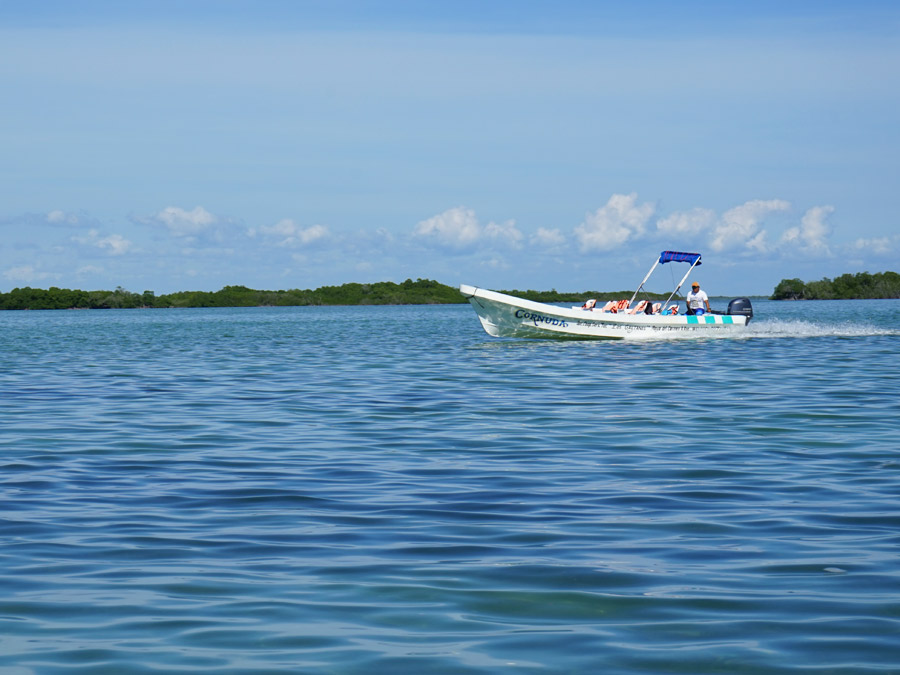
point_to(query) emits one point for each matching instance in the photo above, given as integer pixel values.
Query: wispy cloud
(26, 274)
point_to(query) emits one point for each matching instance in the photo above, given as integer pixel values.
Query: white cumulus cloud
(813, 233)
(505, 232)
(878, 245)
(115, 244)
(56, 217)
(184, 223)
(292, 234)
(612, 225)
(687, 223)
(740, 226)
(458, 228)
(547, 238)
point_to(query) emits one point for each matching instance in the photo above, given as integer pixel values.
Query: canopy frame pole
(643, 282)
(680, 283)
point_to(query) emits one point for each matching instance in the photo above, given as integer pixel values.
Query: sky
(277, 144)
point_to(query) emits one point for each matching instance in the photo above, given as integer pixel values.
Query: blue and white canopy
(679, 256)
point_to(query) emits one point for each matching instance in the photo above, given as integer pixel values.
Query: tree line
(845, 287)
(419, 292)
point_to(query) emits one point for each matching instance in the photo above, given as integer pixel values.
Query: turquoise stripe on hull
(709, 318)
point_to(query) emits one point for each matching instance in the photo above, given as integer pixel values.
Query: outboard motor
(742, 307)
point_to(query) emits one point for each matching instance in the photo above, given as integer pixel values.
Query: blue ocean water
(388, 489)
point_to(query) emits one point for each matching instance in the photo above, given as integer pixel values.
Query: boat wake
(777, 328)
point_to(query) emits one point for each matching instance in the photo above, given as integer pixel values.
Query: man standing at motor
(696, 300)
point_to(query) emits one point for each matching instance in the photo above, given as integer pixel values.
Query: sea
(390, 490)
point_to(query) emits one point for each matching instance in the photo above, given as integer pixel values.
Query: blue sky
(190, 145)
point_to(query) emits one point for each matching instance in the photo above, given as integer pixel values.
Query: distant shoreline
(860, 286)
(884, 285)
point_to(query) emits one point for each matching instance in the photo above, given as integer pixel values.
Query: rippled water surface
(388, 489)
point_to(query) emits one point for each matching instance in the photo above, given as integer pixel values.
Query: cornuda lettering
(540, 318)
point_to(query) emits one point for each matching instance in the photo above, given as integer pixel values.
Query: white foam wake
(773, 328)
(778, 328)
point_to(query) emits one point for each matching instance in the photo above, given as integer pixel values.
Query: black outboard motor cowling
(742, 307)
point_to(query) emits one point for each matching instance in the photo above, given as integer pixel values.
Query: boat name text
(540, 318)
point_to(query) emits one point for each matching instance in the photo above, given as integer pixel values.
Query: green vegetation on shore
(845, 287)
(422, 291)
(419, 292)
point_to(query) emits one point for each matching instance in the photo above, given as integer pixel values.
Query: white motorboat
(505, 315)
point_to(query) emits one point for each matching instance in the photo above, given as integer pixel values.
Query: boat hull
(504, 315)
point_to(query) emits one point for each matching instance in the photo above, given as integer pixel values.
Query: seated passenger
(696, 300)
(589, 304)
(638, 308)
